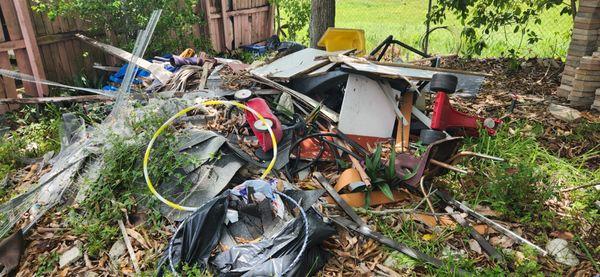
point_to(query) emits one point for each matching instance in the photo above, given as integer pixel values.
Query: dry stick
(579, 187)
(129, 247)
(426, 196)
(448, 199)
(400, 211)
(205, 68)
(423, 199)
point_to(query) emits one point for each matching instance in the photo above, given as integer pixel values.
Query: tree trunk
(322, 16)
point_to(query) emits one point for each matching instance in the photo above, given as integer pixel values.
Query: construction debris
(275, 150)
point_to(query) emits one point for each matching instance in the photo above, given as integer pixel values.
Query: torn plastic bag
(271, 257)
(201, 232)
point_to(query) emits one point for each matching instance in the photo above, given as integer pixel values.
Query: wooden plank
(254, 27)
(40, 29)
(322, 70)
(242, 12)
(68, 44)
(157, 70)
(365, 109)
(237, 31)
(227, 26)
(403, 130)
(438, 69)
(246, 35)
(9, 85)
(295, 64)
(63, 54)
(271, 20)
(14, 31)
(72, 99)
(3, 107)
(41, 40)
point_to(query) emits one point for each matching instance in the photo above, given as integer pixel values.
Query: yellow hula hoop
(183, 112)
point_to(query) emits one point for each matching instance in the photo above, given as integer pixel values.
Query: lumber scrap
(296, 64)
(323, 110)
(157, 70)
(44, 100)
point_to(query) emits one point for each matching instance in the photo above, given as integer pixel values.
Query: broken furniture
(411, 169)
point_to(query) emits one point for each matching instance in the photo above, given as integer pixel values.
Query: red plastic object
(445, 117)
(264, 139)
(310, 148)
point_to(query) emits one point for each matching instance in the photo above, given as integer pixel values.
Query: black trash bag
(202, 231)
(199, 235)
(271, 257)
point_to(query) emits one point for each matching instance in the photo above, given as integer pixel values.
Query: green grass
(520, 189)
(405, 19)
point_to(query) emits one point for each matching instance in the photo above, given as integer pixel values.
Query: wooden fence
(242, 22)
(33, 44)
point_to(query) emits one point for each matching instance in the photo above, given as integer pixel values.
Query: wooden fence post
(33, 51)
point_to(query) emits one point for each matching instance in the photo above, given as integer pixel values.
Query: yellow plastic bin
(336, 39)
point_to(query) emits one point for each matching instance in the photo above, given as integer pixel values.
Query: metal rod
(448, 199)
(447, 166)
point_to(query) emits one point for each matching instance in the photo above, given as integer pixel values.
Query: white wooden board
(292, 64)
(366, 110)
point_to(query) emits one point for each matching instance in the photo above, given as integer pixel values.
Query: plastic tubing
(168, 123)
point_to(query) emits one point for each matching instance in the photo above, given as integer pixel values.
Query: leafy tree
(482, 17)
(292, 19)
(121, 20)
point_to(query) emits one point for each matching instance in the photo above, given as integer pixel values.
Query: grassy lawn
(405, 20)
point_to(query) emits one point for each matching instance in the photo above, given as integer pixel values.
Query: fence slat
(37, 68)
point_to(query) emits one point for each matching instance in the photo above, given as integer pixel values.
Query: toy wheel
(429, 136)
(443, 82)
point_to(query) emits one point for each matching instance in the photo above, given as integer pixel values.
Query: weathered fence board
(33, 44)
(243, 23)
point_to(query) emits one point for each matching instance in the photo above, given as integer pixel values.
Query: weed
(46, 262)
(30, 141)
(190, 271)
(381, 175)
(530, 176)
(120, 186)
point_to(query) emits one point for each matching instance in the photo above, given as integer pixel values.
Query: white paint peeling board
(468, 83)
(366, 110)
(294, 64)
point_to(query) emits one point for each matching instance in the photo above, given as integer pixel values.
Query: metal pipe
(447, 166)
(447, 198)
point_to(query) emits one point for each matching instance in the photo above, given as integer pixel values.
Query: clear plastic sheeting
(29, 78)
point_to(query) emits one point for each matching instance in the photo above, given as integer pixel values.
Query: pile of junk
(290, 149)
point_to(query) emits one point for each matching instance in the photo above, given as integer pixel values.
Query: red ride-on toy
(446, 118)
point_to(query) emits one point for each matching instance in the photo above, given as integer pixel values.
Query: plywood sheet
(366, 110)
(295, 64)
(467, 83)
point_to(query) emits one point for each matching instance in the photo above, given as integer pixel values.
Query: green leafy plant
(382, 176)
(480, 18)
(292, 19)
(121, 20)
(121, 183)
(47, 262)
